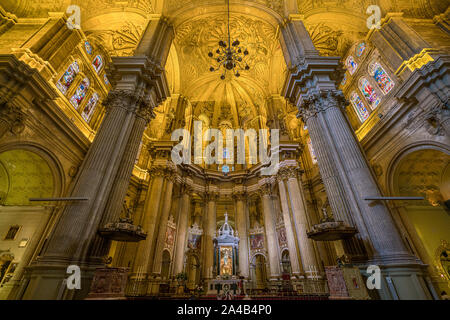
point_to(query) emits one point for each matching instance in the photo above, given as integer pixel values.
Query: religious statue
(226, 262)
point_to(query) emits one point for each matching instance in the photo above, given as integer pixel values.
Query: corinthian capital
(282, 174)
(288, 172)
(145, 105)
(239, 195)
(170, 173)
(211, 196)
(125, 99)
(265, 190)
(320, 101)
(12, 117)
(157, 171)
(186, 189)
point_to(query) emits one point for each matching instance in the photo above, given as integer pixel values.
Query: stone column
(241, 226)
(182, 227)
(114, 205)
(209, 233)
(151, 211)
(312, 87)
(80, 219)
(295, 263)
(382, 231)
(271, 235)
(73, 234)
(137, 79)
(301, 222)
(161, 233)
(339, 204)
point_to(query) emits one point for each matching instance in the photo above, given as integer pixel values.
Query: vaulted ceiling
(424, 173)
(334, 26)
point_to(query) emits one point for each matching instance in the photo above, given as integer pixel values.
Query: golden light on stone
(89, 114)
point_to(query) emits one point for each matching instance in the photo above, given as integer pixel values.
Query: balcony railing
(294, 288)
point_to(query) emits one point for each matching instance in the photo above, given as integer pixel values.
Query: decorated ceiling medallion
(229, 55)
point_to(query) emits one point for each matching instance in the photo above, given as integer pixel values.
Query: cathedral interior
(350, 103)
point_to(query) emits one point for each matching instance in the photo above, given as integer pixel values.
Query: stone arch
(422, 169)
(286, 268)
(46, 155)
(406, 150)
(192, 269)
(259, 270)
(166, 262)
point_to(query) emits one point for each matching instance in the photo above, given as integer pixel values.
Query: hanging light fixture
(229, 55)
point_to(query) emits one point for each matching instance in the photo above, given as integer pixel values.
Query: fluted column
(312, 87)
(295, 263)
(151, 210)
(209, 232)
(382, 231)
(329, 173)
(341, 202)
(182, 227)
(301, 222)
(241, 226)
(271, 235)
(114, 205)
(79, 220)
(166, 205)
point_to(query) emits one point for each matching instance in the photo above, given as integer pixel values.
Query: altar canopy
(226, 251)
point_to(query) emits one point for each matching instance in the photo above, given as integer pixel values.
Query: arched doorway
(24, 174)
(286, 265)
(425, 172)
(259, 272)
(165, 268)
(192, 271)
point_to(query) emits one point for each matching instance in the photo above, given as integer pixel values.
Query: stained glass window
(383, 80)
(351, 65)
(311, 151)
(225, 169)
(360, 48)
(344, 80)
(79, 95)
(67, 78)
(97, 63)
(226, 154)
(90, 107)
(88, 47)
(359, 106)
(369, 92)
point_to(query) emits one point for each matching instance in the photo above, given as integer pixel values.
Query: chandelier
(229, 55)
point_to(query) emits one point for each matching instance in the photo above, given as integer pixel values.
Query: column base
(46, 280)
(401, 281)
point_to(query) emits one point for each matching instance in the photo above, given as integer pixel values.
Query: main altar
(226, 262)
